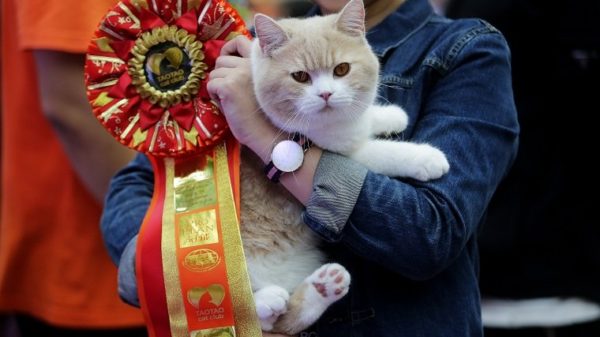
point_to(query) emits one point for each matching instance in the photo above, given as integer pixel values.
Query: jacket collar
(397, 27)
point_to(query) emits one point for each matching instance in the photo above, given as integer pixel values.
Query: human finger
(219, 73)
(240, 45)
(214, 87)
(228, 61)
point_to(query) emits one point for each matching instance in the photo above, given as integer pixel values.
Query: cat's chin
(335, 113)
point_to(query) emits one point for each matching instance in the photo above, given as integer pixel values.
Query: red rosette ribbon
(146, 72)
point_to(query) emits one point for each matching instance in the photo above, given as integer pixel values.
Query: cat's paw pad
(331, 281)
(271, 302)
(430, 164)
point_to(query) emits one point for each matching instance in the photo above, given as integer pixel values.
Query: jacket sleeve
(417, 228)
(127, 201)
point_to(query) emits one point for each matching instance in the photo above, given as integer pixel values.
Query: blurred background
(539, 249)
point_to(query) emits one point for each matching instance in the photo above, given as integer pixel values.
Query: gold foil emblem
(166, 67)
(198, 229)
(196, 190)
(215, 291)
(215, 332)
(201, 260)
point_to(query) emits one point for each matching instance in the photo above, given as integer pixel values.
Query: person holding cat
(399, 218)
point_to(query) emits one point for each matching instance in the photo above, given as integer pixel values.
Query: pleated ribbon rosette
(146, 72)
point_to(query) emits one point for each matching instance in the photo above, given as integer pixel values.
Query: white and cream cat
(317, 76)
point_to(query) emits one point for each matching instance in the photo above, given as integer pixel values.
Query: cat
(317, 76)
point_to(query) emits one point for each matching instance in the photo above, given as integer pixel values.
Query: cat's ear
(270, 34)
(351, 19)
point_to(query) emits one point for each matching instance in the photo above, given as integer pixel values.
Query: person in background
(540, 262)
(411, 247)
(56, 278)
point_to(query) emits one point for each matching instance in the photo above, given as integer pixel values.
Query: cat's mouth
(327, 108)
(318, 108)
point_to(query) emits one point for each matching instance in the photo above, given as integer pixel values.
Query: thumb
(240, 45)
(213, 87)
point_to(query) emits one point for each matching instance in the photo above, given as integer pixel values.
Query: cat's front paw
(271, 302)
(331, 282)
(430, 163)
(388, 119)
(397, 119)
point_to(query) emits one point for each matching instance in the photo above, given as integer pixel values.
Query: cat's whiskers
(355, 110)
(286, 124)
(359, 104)
(269, 147)
(304, 120)
(384, 99)
(292, 118)
(298, 119)
(378, 95)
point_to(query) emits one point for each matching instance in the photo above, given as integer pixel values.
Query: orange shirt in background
(53, 264)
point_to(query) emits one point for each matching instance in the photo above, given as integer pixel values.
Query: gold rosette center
(167, 66)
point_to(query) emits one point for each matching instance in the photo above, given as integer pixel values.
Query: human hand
(230, 85)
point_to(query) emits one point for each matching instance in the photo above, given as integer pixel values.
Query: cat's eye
(301, 76)
(341, 69)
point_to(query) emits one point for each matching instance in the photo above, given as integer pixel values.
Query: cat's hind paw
(271, 302)
(331, 282)
(313, 296)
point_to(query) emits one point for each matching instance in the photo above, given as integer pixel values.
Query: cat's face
(314, 70)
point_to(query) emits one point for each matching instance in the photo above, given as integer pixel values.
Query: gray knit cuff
(337, 184)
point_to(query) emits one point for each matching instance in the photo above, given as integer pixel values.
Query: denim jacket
(409, 246)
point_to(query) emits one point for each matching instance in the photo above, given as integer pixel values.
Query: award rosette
(146, 72)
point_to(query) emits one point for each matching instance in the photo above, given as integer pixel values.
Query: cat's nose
(325, 95)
